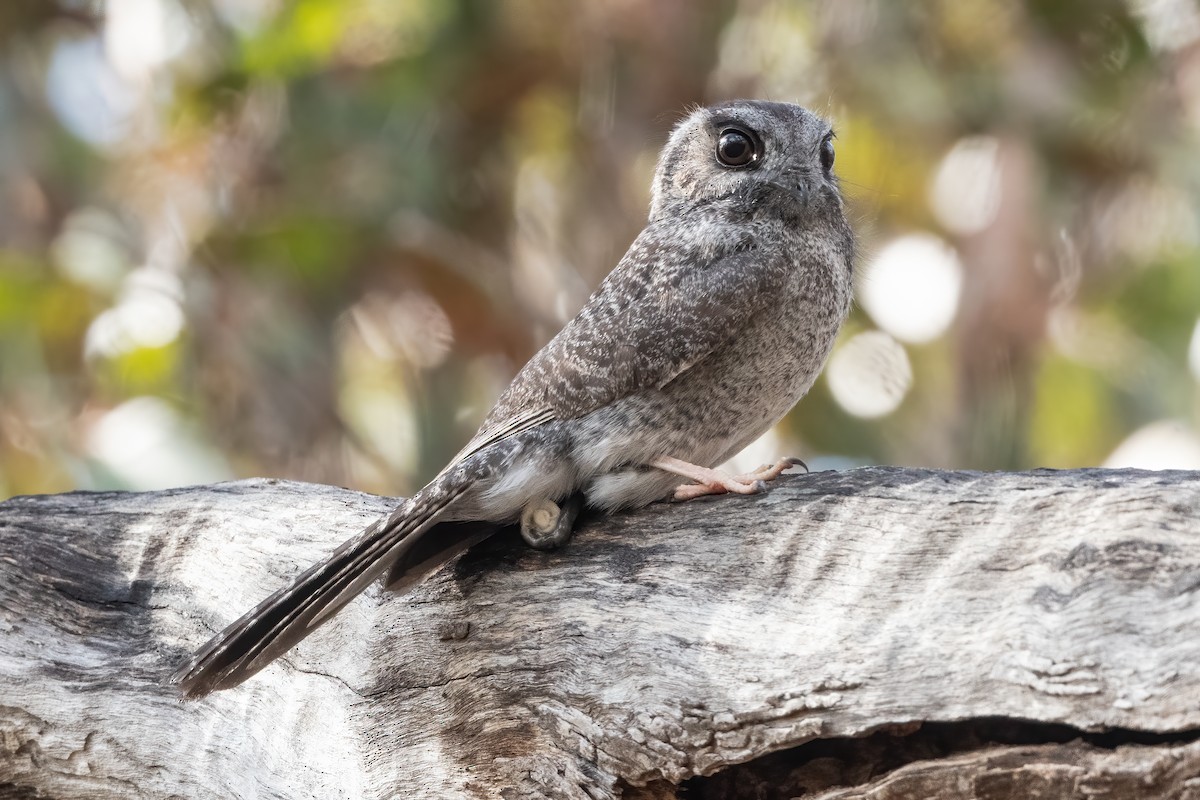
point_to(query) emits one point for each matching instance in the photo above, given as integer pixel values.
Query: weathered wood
(957, 760)
(656, 647)
(1051, 771)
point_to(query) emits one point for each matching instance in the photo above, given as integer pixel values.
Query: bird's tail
(272, 627)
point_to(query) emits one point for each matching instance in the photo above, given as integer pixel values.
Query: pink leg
(714, 481)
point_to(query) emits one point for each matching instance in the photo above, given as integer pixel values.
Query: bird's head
(749, 157)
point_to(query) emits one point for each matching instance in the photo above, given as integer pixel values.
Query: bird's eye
(735, 148)
(827, 153)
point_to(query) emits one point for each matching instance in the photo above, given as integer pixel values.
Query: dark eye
(735, 148)
(827, 153)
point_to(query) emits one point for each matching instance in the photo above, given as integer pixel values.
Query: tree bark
(876, 633)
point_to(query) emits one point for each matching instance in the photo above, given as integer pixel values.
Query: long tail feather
(276, 624)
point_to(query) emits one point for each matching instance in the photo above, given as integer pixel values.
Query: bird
(711, 327)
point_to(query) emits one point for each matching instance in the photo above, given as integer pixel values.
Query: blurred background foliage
(315, 239)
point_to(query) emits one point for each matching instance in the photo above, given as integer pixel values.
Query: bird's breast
(726, 400)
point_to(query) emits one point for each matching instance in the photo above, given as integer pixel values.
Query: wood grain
(655, 648)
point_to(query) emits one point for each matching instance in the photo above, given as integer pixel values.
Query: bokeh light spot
(1194, 352)
(965, 190)
(763, 450)
(1166, 444)
(870, 375)
(911, 289)
(147, 315)
(143, 444)
(142, 35)
(90, 98)
(90, 250)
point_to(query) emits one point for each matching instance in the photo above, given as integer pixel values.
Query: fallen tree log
(876, 633)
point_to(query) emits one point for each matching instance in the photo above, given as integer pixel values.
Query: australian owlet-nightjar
(713, 325)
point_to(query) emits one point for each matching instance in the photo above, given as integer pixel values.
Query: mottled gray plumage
(713, 325)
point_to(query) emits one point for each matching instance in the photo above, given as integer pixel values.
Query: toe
(792, 461)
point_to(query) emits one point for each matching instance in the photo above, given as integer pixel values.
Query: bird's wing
(661, 311)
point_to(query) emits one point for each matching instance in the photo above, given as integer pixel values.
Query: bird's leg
(707, 481)
(546, 525)
(714, 481)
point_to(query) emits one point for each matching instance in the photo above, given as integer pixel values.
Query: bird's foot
(769, 472)
(714, 481)
(546, 525)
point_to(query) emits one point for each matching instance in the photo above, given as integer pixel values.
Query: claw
(769, 472)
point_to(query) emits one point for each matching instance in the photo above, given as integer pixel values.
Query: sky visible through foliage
(315, 239)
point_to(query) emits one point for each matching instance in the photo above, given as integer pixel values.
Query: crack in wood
(837, 767)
